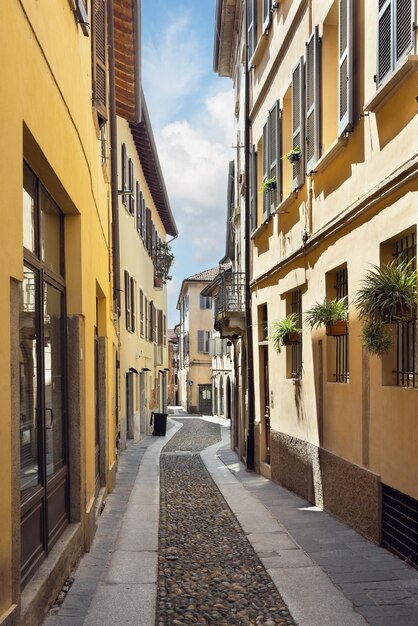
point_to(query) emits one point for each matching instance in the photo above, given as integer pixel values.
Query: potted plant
(375, 338)
(163, 261)
(269, 184)
(293, 155)
(389, 293)
(332, 314)
(285, 332)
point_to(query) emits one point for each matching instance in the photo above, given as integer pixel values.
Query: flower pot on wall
(337, 328)
(158, 281)
(291, 339)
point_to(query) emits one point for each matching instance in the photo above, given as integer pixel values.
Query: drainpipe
(114, 161)
(248, 316)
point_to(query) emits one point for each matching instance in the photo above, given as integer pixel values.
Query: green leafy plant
(268, 184)
(323, 313)
(163, 260)
(293, 155)
(284, 332)
(375, 338)
(389, 293)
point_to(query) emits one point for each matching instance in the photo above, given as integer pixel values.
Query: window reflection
(29, 199)
(50, 233)
(28, 371)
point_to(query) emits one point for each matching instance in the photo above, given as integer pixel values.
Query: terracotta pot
(291, 339)
(337, 328)
(158, 281)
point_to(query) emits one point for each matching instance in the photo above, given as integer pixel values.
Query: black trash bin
(160, 424)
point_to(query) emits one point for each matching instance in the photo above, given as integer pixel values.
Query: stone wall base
(348, 491)
(10, 618)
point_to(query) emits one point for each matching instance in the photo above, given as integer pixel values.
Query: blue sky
(191, 110)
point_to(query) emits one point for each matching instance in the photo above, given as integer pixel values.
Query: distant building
(195, 328)
(173, 366)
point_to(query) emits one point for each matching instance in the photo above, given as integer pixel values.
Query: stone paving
(208, 572)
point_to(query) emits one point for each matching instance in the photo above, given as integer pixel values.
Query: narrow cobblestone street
(189, 537)
(208, 572)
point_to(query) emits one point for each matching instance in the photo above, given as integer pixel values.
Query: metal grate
(406, 332)
(341, 343)
(296, 354)
(400, 524)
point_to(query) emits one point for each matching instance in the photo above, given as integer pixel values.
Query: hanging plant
(285, 332)
(269, 184)
(293, 155)
(389, 293)
(332, 314)
(375, 338)
(163, 261)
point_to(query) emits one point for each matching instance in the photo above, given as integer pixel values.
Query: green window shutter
(274, 143)
(127, 301)
(252, 27)
(298, 124)
(253, 189)
(404, 28)
(267, 8)
(345, 64)
(131, 189)
(313, 96)
(266, 193)
(123, 168)
(99, 47)
(384, 40)
(200, 340)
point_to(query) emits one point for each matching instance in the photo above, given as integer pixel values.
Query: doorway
(205, 399)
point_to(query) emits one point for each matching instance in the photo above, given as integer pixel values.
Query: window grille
(341, 343)
(296, 350)
(405, 249)
(400, 524)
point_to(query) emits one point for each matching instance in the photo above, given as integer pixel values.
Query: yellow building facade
(60, 312)
(336, 81)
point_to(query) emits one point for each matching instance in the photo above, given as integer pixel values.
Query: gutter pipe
(248, 315)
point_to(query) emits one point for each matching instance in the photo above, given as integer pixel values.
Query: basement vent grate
(400, 524)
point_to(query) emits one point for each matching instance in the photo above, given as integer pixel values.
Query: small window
(205, 302)
(203, 337)
(294, 353)
(337, 347)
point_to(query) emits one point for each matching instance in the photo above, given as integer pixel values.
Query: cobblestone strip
(208, 572)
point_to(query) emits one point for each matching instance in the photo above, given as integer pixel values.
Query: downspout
(114, 162)
(248, 316)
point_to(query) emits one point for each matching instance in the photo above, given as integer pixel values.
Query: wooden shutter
(133, 315)
(274, 144)
(253, 189)
(138, 197)
(313, 96)
(141, 312)
(154, 323)
(404, 28)
(266, 194)
(131, 188)
(123, 168)
(144, 221)
(345, 71)
(146, 330)
(298, 124)
(160, 328)
(149, 234)
(150, 321)
(267, 7)
(252, 27)
(384, 40)
(164, 329)
(99, 43)
(200, 340)
(127, 300)
(141, 217)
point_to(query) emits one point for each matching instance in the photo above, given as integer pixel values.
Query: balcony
(230, 304)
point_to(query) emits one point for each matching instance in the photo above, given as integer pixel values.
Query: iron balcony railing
(231, 295)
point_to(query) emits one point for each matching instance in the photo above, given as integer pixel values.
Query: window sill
(334, 150)
(285, 204)
(386, 91)
(259, 49)
(259, 229)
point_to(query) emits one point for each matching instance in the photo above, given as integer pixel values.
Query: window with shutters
(395, 35)
(253, 188)
(287, 143)
(271, 145)
(124, 163)
(298, 124)
(345, 66)
(203, 337)
(313, 100)
(205, 302)
(252, 27)
(128, 300)
(337, 347)
(160, 330)
(267, 14)
(164, 329)
(131, 195)
(154, 323)
(133, 305)
(151, 322)
(99, 59)
(81, 16)
(138, 199)
(141, 312)
(146, 317)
